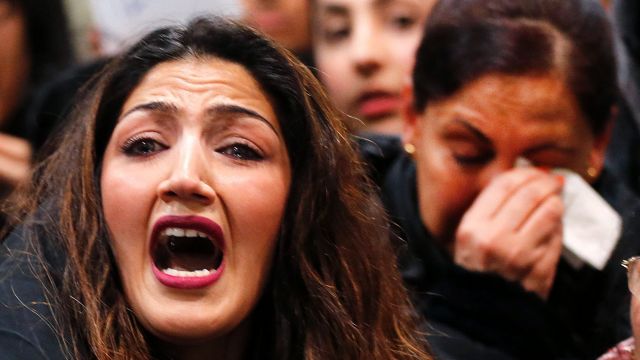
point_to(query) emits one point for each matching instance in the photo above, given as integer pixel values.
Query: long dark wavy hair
(334, 290)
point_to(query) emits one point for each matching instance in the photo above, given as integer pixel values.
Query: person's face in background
(14, 58)
(286, 21)
(465, 141)
(364, 51)
(194, 184)
(633, 282)
(635, 323)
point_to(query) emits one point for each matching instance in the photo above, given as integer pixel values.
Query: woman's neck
(227, 347)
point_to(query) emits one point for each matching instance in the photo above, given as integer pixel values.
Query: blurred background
(103, 27)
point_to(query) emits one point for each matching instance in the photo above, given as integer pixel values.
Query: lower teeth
(183, 273)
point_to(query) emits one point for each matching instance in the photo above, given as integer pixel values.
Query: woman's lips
(270, 21)
(378, 104)
(187, 279)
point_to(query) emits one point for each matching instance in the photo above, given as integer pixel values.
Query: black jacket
(472, 315)
(26, 319)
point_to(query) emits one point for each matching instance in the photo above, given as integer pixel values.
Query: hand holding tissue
(513, 228)
(590, 226)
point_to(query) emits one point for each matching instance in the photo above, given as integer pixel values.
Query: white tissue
(590, 226)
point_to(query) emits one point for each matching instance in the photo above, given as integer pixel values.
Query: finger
(515, 262)
(14, 147)
(523, 202)
(531, 242)
(519, 260)
(540, 279)
(13, 171)
(545, 219)
(481, 243)
(499, 190)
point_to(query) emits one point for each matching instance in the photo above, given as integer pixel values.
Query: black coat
(623, 155)
(27, 329)
(472, 315)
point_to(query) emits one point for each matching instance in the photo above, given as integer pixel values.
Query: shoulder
(627, 204)
(27, 328)
(379, 152)
(15, 346)
(618, 194)
(393, 172)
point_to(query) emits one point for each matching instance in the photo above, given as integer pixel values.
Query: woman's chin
(186, 332)
(187, 326)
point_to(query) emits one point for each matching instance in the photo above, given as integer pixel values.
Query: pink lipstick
(378, 104)
(187, 251)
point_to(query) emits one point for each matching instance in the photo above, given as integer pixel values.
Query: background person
(626, 350)
(204, 203)
(623, 155)
(111, 28)
(495, 81)
(285, 21)
(36, 45)
(364, 52)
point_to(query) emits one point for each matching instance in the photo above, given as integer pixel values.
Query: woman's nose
(187, 180)
(367, 53)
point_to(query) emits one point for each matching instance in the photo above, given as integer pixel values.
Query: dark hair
(326, 299)
(466, 39)
(48, 37)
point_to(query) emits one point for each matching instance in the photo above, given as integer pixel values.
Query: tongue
(191, 254)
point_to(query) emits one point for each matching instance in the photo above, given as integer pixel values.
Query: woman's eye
(241, 152)
(336, 34)
(472, 160)
(142, 147)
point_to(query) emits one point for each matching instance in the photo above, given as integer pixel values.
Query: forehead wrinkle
(502, 94)
(155, 107)
(233, 111)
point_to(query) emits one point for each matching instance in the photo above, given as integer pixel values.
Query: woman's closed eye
(473, 160)
(142, 146)
(471, 156)
(241, 151)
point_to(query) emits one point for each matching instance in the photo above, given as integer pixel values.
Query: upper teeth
(179, 232)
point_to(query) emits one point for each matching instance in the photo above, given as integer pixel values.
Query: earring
(592, 172)
(409, 148)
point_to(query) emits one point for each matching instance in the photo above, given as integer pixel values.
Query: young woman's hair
(334, 290)
(466, 39)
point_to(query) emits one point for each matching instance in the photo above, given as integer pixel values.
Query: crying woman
(203, 203)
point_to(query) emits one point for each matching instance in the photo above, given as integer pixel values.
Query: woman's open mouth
(187, 251)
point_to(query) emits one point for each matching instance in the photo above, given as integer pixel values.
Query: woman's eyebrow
(153, 106)
(474, 131)
(231, 109)
(213, 111)
(334, 9)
